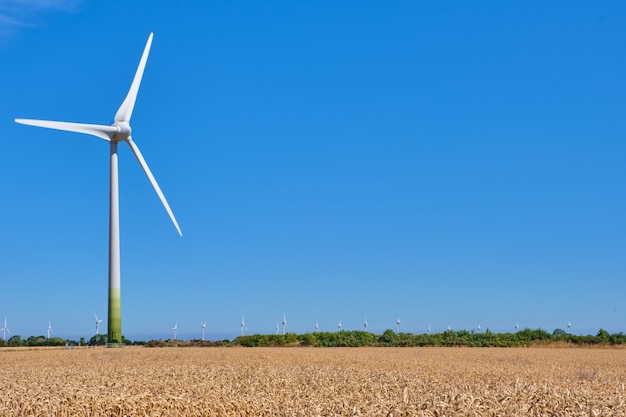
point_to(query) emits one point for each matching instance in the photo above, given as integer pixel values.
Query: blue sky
(445, 163)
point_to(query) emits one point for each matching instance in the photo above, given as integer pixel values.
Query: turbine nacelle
(123, 132)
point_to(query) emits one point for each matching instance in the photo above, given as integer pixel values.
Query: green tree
(98, 340)
(15, 340)
(388, 337)
(603, 336)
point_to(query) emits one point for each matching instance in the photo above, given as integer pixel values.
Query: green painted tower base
(114, 334)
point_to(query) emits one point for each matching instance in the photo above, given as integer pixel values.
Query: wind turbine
(284, 322)
(277, 328)
(49, 328)
(5, 329)
(428, 328)
(119, 131)
(516, 327)
(339, 325)
(366, 325)
(317, 327)
(398, 324)
(203, 326)
(478, 328)
(569, 326)
(243, 325)
(175, 329)
(98, 321)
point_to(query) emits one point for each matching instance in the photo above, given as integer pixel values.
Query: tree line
(96, 340)
(356, 338)
(526, 337)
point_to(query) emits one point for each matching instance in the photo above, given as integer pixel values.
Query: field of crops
(137, 381)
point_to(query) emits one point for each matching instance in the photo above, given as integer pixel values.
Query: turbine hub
(123, 131)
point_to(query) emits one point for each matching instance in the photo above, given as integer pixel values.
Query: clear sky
(444, 163)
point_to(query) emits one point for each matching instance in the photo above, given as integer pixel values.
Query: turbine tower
(175, 330)
(516, 327)
(339, 325)
(398, 324)
(119, 131)
(203, 326)
(284, 322)
(5, 329)
(243, 325)
(277, 328)
(49, 328)
(569, 326)
(317, 327)
(366, 325)
(98, 321)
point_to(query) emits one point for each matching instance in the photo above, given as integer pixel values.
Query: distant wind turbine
(478, 328)
(284, 322)
(5, 329)
(569, 326)
(366, 325)
(175, 330)
(339, 325)
(49, 328)
(316, 326)
(243, 325)
(516, 327)
(428, 328)
(203, 326)
(398, 324)
(277, 328)
(98, 321)
(119, 131)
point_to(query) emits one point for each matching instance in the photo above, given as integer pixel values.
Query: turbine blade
(126, 109)
(100, 131)
(146, 169)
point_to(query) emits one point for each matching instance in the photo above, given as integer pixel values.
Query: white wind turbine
(478, 328)
(317, 327)
(277, 328)
(5, 329)
(339, 325)
(516, 327)
(366, 325)
(49, 328)
(98, 321)
(119, 131)
(175, 330)
(243, 325)
(428, 328)
(284, 322)
(203, 326)
(398, 324)
(569, 326)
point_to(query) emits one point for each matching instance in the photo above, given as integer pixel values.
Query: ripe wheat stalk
(137, 381)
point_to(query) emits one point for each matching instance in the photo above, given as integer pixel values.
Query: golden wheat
(136, 381)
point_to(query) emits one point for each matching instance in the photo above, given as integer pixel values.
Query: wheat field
(138, 381)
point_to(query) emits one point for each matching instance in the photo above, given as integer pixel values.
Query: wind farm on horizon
(202, 331)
